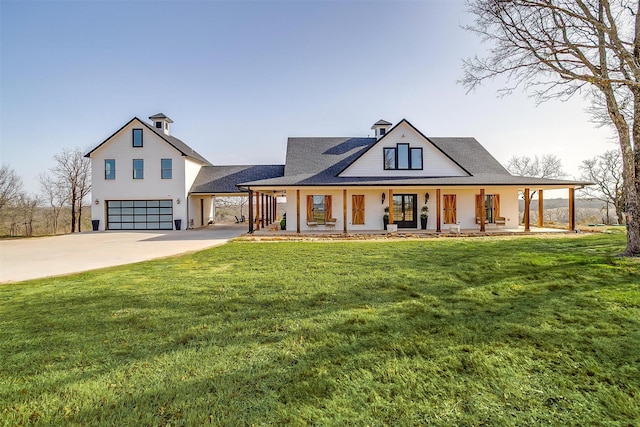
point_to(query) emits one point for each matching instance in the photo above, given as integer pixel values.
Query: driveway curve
(25, 259)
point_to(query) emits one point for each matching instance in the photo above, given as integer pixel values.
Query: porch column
(438, 218)
(344, 211)
(275, 208)
(540, 209)
(250, 203)
(527, 206)
(262, 209)
(298, 211)
(482, 213)
(257, 211)
(213, 208)
(572, 209)
(270, 207)
(390, 206)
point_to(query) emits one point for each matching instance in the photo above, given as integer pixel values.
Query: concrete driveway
(25, 259)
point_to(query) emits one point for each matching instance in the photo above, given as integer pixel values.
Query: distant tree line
(59, 204)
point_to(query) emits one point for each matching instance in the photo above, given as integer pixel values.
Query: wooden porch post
(527, 206)
(267, 208)
(275, 208)
(438, 219)
(572, 209)
(250, 203)
(257, 211)
(540, 208)
(482, 214)
(390, 206)
(262, 209)
(298, 211)
(344, 211)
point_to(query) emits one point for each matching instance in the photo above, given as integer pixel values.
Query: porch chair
(312, 224)
(500, 220)
(331, 223)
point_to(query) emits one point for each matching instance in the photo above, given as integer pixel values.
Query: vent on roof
(161, 122)
(381, 127)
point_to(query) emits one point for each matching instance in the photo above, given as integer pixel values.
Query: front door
(405, 210)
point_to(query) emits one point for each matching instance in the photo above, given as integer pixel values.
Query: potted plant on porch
(424, 216)
(385, 217)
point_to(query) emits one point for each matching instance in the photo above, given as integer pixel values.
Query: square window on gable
(137, 137)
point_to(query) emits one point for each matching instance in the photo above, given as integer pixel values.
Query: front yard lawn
(516, 331)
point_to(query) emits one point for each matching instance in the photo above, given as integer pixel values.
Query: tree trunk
(73, 211)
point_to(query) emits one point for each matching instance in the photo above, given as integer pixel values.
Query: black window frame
(141, 169)
(158, 125)
(412, 154)
(133, 138)
(163, 169)
(110, 174)
(384, 159)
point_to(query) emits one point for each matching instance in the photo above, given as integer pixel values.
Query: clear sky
(238, 78)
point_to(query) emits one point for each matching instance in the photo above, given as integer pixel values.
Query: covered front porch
(490, 210)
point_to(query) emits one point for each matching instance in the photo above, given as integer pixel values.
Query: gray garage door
(139, 215)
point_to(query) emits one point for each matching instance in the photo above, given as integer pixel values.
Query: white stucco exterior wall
(374, 208)
(152, 186)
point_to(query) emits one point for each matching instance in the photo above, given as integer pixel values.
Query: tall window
(110, 169)
(137, 137)
(138, 169)
(490, 208)
(318, 209)
(166, 168)
(403, 157)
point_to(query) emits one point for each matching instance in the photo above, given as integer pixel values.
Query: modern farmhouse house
(143, 178)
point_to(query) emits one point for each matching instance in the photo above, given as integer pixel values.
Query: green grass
(526, 331)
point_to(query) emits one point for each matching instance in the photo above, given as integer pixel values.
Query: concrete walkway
(35, 258)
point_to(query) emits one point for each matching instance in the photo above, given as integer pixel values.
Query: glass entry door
(405, 210)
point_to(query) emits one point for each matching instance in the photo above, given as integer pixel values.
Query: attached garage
(139, 215)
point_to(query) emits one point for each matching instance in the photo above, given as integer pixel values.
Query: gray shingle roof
(470, 154)
(223, 179)
(319, 161)
(382, 123)
(180, 146)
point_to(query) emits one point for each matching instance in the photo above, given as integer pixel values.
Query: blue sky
(240, 77)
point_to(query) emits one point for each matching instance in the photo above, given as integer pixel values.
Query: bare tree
(547, 166)
(10, 185)
(72, 170)
(53, 192)
(557, 48)
(605, 171)
(27, 206)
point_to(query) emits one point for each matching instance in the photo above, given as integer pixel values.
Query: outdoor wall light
(178, 201)
(97, 202)
(384, 196)
(426, 198)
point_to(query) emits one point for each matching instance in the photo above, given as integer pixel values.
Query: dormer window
(382, 131)
(403, 157)
(158, 125)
